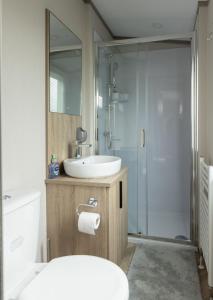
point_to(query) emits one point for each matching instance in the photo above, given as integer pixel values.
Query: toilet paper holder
(92, 202)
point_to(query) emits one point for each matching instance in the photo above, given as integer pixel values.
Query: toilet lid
(78, 277)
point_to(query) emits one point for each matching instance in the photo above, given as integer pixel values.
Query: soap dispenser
(53, 167)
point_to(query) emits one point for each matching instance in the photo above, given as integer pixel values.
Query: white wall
(23, 93)
(204, 28)
(201, 27)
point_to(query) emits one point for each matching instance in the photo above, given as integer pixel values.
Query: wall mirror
(65, 68)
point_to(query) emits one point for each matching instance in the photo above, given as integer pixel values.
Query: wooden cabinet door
(110, 240)
(91, 244)
(60, 220)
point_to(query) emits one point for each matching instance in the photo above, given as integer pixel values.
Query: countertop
(99, 182)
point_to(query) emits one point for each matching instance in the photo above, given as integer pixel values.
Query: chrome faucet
(79, 147)
(81, 136)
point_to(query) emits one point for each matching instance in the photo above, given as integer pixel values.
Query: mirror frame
(47, 63)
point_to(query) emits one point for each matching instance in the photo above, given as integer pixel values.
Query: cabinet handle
(121, 193)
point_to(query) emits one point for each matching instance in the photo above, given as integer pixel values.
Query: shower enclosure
(144, 116)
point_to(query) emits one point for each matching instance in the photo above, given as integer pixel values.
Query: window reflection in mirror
(65, 69)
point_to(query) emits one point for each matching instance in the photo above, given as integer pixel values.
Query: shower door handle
(142, 137)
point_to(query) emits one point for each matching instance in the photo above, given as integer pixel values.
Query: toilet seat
(78, 277)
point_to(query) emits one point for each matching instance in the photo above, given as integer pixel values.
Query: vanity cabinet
(65, 194)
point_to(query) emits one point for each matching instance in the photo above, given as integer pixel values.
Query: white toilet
(77, 277)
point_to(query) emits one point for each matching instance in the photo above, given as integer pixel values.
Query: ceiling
(142, 18)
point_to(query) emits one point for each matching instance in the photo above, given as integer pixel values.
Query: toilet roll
(88, 222)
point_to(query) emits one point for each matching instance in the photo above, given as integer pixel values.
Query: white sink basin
(92, 166)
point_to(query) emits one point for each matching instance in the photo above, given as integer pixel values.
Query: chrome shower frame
(192, 38)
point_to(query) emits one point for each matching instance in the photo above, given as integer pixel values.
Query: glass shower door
(169, 145)
(120, 85)
(144, 116)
